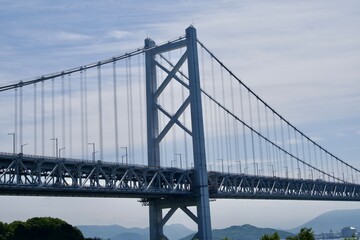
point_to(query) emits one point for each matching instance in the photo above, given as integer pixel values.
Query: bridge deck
(47, 176)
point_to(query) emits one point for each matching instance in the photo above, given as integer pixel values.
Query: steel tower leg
(201, 178)
(154, 136)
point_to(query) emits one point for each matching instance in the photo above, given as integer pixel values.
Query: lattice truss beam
(171, 70)
(25, 173)
(243, 186)
(50, 176)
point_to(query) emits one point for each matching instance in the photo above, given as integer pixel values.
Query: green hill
(244, 232)
(39, 228)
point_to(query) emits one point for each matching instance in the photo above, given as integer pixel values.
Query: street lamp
(229, 167)
(13, 134)
(22, 147)
(273, 171)
(256, 169)
(287, 171)
(93, 152)
(222, 164)
(211, 164)
(56, 146)
(179, 154)
(60, 151)
(239, 165)
(126, 154)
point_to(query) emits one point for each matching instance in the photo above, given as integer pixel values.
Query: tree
(274, 236)
(40, 229)
(305, 234)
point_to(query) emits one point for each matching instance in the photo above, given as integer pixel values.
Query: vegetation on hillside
(304, 234)
(40, 228)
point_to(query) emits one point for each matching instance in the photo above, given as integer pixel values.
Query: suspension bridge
(169, 124)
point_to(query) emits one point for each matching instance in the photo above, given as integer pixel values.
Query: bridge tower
(155, 135)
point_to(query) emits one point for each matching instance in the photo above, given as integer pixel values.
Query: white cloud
(69, 36)
(117, 34)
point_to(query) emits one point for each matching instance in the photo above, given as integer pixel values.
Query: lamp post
(211, 164)
(239, 166)
(179, 154)
(272, 168)
(126, 154)
(286, 172)
(222, 164)
(60, 151)
(56, 146)
(93, 152)
(13, 134)
(22, 147)
(229, 167)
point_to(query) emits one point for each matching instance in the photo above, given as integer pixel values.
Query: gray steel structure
(163, 187)
(48, 176)
(155, 136)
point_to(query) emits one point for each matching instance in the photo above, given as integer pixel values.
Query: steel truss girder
(31, 175)
(255, 187)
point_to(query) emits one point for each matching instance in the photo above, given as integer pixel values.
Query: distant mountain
(116, 232)
(129, 236)
(104, 232)
(244, 232)
(333, 220)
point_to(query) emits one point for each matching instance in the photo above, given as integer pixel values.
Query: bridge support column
(156, 135)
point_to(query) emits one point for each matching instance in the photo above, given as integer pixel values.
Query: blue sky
(302, 57)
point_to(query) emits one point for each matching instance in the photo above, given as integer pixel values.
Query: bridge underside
(39, 176)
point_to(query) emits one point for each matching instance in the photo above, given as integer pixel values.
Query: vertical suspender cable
(42, 119)
(277, 151)
(21, 115)
(327, 166)
(35, 119)
(213, 126)
(53, 116)
(131, 145)
(303, 154)
(115, 115)
(297, 154)
(215, 111)
(283, 146)
(70, 115)
(141, 108)
(82, 132)
(332, 166)
(16, 118)
(321, 163)
(268, 153)
(244, 132)
(259, 135)
(235, 126)
(206, 118)
(63, 133)
(226, 122)
(315, 157)
(252, 136)
(290, 150)
(100, 115)
(128, 107)
(309, 151)
(85, 111)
